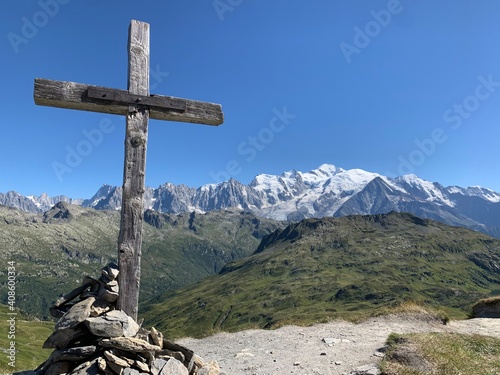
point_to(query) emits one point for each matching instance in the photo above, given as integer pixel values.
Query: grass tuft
(441, 354)
(412, 309)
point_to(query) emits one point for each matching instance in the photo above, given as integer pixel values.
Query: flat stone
(77, 314)
(59, 368)
(73, 354)
(142, 366)
(130, 371)
(129, 344)
(87, 368)
(115, 359)
(67, 355)
(112, 324)
(61, 338)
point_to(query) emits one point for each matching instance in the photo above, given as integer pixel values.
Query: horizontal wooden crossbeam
(72, 95)
(113, 96)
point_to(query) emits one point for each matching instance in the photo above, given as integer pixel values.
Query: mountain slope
(55, 250)
(320, 269)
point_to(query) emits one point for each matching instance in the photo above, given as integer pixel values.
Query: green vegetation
(29, 338)
(53, 256)
(441, 354)
(349, 268)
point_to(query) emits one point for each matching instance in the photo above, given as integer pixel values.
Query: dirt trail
(302, 350)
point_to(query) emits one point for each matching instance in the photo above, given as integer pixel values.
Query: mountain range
(327, 191)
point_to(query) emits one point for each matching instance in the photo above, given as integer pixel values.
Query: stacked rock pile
(91, 337)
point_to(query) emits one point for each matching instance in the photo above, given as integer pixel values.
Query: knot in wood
(136, 141)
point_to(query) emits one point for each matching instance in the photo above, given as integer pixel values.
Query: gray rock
(59, 368)
(73, 354)
(174, 367)
(112, 324)
(87, 368)
(190, 358)
(61, 338)
(487, 308)
(108, 292)
(130, 371)
(110, 271)
(77, 314)
(157, 366)
(371, 369)
(76, 354)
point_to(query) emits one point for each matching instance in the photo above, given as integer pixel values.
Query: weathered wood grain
(73, 95)
(134, 172)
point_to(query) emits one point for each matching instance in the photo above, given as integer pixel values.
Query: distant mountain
(350, 267)
(322, 192)
(34, 204)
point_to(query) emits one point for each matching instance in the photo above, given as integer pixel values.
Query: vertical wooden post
(132, 211)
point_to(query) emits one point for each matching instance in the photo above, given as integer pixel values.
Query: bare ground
(303, 350)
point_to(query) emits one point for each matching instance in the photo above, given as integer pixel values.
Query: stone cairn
(92, 337)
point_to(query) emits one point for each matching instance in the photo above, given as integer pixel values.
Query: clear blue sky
(387, 86)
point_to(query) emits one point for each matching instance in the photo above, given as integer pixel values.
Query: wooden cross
(138, 105)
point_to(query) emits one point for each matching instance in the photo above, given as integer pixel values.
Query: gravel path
(303, 350)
